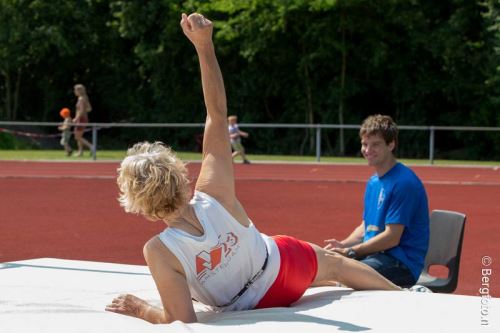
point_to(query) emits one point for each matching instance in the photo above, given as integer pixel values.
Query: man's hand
(197, 29)
(333, 244)
(341, 251)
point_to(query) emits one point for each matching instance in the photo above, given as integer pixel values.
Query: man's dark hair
(380, 124)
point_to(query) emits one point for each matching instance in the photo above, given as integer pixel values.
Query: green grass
(59, 155)
(33, 155)
(116, 155)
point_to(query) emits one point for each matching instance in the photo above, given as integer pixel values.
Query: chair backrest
(445, 244)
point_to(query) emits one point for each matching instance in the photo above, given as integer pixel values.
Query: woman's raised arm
(216, 177)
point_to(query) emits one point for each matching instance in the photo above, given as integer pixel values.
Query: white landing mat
(54, 295)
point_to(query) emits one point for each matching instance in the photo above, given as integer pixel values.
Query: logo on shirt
(381, 198)
(209, 262)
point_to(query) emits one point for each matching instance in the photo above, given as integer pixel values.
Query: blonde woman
(211, 251)
(83, 107)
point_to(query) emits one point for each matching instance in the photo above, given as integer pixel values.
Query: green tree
(291, 61)
(36, 36)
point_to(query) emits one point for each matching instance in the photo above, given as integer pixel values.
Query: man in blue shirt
(394, 235)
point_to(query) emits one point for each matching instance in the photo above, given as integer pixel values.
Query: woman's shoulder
(206, 196)
(155, 251)
(213, 200)
(153, 245)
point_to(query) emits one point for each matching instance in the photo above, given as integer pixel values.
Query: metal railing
(317, 127)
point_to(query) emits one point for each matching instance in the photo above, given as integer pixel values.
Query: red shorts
(298, 269)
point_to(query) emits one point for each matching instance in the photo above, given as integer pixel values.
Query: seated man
(394, 235)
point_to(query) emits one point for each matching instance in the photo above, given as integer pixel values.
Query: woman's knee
(329, 265)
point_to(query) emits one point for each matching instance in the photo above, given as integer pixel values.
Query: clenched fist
(197, 28)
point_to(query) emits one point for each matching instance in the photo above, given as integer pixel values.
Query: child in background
(66, 130)
(235, 135)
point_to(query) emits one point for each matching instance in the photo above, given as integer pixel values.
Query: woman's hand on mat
(197, 28)
(129, 305)
(333, 244)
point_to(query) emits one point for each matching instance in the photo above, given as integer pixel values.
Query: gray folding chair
(445, 247)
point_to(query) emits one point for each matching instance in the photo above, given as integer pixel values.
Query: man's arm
(387, 239)
(354, 238)
(397, 213)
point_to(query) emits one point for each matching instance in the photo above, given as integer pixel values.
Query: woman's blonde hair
(152, 181)
(83, 93)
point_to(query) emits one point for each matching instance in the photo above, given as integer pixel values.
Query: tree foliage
(284, 61)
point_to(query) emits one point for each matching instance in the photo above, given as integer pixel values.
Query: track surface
(69, 210)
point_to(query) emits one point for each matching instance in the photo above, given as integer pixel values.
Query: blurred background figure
(83, 107)
(235, 134)
(65, 128)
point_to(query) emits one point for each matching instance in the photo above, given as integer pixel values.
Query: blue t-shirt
(399, 197)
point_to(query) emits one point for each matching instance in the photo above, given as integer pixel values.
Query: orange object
(65, 113)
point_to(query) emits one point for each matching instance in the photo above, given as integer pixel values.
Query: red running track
(69, 210)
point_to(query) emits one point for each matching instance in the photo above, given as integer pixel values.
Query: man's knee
(375, 264)
(389, 267)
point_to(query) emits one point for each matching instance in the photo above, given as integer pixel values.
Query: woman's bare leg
(81, 142)
(86, 143)
(349, 272)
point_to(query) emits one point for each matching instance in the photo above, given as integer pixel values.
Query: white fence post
(318, 143)
(431, 145)
(94, 142)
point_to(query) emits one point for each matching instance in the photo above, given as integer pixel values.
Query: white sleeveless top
(225, 258)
